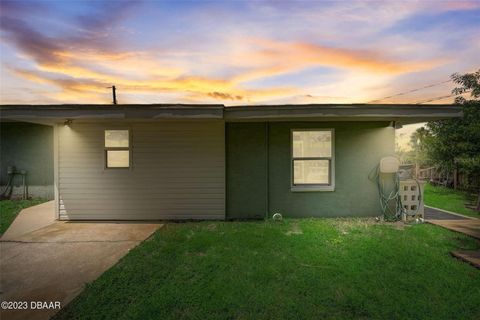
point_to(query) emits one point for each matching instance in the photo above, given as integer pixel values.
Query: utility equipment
(400, 194)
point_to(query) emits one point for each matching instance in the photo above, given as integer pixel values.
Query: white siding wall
(177, 172)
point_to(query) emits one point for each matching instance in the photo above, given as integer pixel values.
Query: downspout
(267, 196)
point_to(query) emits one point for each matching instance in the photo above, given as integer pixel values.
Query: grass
(295, 269)
(9, 209)
(448, 199)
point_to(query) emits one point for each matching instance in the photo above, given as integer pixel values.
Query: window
(312, 160)
(117, 149)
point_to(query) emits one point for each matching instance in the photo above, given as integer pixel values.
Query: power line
(437, 98)
(410, 91)
(441, 97)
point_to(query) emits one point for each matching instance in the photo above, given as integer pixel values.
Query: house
(143, 162)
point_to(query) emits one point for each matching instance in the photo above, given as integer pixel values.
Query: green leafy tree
(454, 144)
(417, 142)
(416, 154)
(400, 151)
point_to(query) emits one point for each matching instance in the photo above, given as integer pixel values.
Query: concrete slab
(438, 214)
(30, 219)
(104, 231)
(431, 213)
(470, 256)
(458, 223)
(469, 227)
(55, 262)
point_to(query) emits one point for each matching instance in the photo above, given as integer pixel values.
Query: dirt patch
(345, 225)
(295, 230)
(399, 225)
(212, 227)
(197, 254)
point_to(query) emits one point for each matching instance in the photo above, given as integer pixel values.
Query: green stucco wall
(246, 185)
(28, 147)
(359, 146)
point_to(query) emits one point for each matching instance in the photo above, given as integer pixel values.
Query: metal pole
(24, 173)
(114, 95)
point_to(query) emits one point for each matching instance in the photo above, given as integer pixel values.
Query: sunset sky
(234, 52)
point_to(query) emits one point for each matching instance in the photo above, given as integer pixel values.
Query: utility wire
(441, 97)
(410, 91)
(391, 96)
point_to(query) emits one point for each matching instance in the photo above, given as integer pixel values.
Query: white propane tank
(389, 164)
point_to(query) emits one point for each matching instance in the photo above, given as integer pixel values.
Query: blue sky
(234, 52)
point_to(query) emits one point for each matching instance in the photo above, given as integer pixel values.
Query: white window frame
(106, 149)
(313, 187)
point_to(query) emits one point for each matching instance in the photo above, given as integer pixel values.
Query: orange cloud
(85, 66)
(194, 87)
(89, 70)
(270, 58)
(136, 72)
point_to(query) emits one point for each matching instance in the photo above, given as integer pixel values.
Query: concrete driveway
(54, 262)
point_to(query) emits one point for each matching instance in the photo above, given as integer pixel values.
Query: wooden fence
(452, 179)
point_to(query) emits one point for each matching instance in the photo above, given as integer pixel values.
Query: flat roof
(402, 113)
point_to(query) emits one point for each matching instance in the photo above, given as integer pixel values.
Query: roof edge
(406, 113)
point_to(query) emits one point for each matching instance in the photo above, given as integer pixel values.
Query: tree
(416, 154)
(417, 142)
(454, 144)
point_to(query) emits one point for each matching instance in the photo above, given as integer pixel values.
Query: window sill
(312, 188)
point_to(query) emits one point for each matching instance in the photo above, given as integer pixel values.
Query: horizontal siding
(161, 216)
(123, 190)
(177, 172)
(146, 206)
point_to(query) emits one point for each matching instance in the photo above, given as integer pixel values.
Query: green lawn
(448, 199)
(10, 208)
(296, 269)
